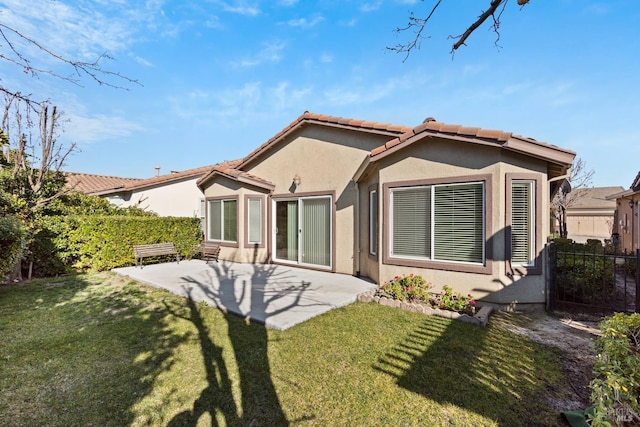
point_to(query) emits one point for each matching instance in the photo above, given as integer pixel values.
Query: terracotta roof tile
(166, 178)
(90, 183)
(308, 117)
(430, 126)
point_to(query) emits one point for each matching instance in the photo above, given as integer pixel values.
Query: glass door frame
(300, 237)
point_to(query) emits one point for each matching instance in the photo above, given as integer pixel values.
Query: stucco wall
(325, 159)
(181, 198)
(438, 159)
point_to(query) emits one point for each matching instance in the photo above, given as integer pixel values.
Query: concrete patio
(277, 296)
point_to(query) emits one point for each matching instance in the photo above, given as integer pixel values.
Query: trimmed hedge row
(616, 388)
(98, 243)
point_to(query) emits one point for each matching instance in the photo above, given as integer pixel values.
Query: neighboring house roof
(634, 189)
(155, 181)
(91, 183)
(594, 198)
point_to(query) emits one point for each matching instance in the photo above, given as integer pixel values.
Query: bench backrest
(154, 249)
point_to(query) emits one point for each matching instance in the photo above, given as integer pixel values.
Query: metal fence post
(637, 280)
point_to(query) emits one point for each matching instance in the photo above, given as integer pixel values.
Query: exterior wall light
(296, 180)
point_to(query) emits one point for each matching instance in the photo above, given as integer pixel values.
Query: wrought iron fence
(593, 279)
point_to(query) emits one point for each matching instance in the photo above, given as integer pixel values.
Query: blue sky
(219, 78)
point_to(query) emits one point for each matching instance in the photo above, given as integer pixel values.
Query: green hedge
(12, 243)
(616, 388)
(98, 243)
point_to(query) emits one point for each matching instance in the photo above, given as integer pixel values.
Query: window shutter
(521, 226)
(411, 222)
(459, 223)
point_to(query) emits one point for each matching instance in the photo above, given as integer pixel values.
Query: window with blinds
(373, 222)
(439, 222)
(254, 233)
(223, 220)
(522, 222)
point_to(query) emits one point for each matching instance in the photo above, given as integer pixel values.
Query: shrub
(414, 288)
(103, 242)
(406, 288)
(616, 388)
(447, 299)
(12, 243)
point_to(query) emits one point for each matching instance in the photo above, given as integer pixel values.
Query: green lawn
(101, 350)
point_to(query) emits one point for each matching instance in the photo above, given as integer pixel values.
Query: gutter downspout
(356, 248)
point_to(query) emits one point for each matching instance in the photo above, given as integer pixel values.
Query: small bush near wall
(98, 243)
(616, 388)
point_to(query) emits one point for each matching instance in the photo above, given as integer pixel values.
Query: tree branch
(93, 70)
(418, 25)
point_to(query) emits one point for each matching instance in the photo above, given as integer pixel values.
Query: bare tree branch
(79, 69)
(417, 25)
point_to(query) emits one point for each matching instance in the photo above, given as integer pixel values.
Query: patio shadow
(259, 402)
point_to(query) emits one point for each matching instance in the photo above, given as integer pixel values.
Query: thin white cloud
(241, 8)
(326, 58)
(305, 23)
(100, 127)
(288, 3)
(270, 53)
(371, 7)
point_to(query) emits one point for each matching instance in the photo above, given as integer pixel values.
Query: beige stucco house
(627, 220)
(590, 214)
(461, 206)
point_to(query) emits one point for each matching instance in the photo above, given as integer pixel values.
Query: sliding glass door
(303, 231)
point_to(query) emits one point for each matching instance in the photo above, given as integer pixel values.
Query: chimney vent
(157, 168)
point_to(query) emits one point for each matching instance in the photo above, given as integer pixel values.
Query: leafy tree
(31, 162)
(417, 25)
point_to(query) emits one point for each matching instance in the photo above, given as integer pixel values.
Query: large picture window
(443, 222)
(223, 220)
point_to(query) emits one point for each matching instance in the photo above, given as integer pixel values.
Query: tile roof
(341, 122)
(167, 178)
(230, 169)
(474, 134)
(596, 197)
(90, 183)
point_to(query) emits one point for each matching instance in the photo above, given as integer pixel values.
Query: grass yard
(101, 350)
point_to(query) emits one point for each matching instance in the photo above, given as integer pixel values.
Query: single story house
(172, 194)
(461, 206)
(590, 214)
(627, 222)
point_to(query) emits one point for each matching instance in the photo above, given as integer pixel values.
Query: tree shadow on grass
(489, 372)
(81, 350)
(240, 293)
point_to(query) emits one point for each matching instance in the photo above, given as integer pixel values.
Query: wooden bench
(209, 251)
(154, 249)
